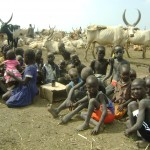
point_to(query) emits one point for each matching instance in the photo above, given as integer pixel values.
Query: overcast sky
(65, 14)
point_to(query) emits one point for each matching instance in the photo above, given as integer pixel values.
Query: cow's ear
(136, 29)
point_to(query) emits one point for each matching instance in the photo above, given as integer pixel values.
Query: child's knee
(92, 101)
(68, 88)
(6, 96)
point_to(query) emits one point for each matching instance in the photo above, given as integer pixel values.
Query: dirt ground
(33, 128)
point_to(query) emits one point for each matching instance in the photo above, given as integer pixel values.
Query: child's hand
(70, 105)
(73, 106)
(120, 107)
(10, 73)
(127, 132)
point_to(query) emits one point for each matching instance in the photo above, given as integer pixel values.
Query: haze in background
(65, 14)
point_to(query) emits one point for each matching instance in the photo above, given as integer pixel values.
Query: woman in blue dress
(23, 94)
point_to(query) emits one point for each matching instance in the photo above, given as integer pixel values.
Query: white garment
(50, 73)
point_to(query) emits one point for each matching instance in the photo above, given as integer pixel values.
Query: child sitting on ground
(39, 64)
(50, 70)
(74, 77)
(138, 111)
(12, 65)
(122, 93)
(64, 77)
(65, 54)
(68, 103)
(78, 106)
(100, 108)
(77, 63)
(25, 91)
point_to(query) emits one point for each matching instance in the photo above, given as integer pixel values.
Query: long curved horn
(139, 18)
(50, 36)
(9, 19)
(124, 18)
(51, 29)
(1, 21)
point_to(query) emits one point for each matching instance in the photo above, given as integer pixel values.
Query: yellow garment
(119, 114)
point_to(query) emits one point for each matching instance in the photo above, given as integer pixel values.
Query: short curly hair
(30, 54)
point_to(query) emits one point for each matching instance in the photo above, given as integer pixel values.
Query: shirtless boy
(82, 103)
(115, 66)
(94, 98)
(99, 66)
(138, 111)
(77, 63)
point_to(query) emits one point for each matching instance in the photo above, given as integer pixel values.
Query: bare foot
(52, 110)
(63, 120)
(82, 127)
(142, 144)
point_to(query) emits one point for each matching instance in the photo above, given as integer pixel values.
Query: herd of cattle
(49, 39)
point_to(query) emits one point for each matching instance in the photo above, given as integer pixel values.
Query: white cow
(105, 36)
(141, 38)
(75, 44)
(131, 28)
(52, 46)
(19, 33)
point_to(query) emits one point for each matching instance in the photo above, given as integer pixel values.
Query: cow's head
(131, 27)
(5, 26)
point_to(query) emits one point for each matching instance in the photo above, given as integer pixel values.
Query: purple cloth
(24, 94)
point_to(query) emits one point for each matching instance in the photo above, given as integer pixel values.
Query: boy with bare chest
(100, 65)
(115, 67)
(139, 112)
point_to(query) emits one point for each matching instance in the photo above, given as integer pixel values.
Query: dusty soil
(33, 127)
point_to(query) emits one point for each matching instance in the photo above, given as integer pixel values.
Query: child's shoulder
(145, 101)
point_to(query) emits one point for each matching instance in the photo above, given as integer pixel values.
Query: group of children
(126, 94)
(87, 87)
